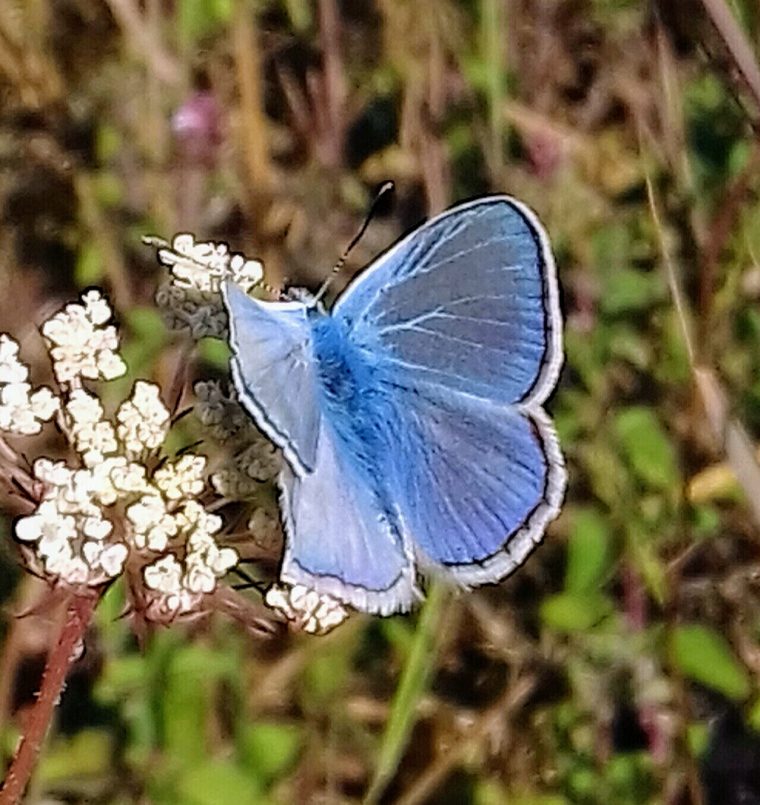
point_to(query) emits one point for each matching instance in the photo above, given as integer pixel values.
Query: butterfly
(410, 415)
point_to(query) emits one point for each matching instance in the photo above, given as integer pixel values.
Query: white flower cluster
(22, 411)
(143, 420)
(72, 539)
(310, 611)
(113, 509)
(191, 301)
(204, 266)
(178, 584)
(82, 343)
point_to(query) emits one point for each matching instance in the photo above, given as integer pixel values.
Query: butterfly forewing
(467, 303)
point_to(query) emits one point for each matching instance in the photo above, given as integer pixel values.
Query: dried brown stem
(736, 43)
(334, 88)
(79, 613)
(252, 126)
(145, 41)
(254, 617)
(513, 698)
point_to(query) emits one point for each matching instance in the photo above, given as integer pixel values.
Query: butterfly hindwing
(475, 485)
(467, 303)
(340, 539)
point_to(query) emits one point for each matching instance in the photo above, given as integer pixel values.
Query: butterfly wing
(340, 540)
(461, 320)
(466, 303)
(273, 371)
(476, 484)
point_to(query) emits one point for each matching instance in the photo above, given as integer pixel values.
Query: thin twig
(79, 613)
(499, 713)
(253, 616)
(252, 126)
(737, 44)
(145, 41)
(333, 83)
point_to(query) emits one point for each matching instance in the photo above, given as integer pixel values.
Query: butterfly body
(410, 415)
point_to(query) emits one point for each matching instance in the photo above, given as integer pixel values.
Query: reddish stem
(78, 615)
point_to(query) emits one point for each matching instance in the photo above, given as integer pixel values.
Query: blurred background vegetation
(620, 665)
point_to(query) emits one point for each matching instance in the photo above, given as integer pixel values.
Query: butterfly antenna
(271, 290)
(387, 187)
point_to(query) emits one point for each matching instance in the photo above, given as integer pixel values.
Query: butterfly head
(306, 297)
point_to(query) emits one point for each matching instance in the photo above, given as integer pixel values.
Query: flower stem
(59, 661)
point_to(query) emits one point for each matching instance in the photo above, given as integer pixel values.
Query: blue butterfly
(410, 416)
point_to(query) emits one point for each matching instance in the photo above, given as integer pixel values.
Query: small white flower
(97, 309)
(223, 560)
(130, 478)
(77, 496)
(104, 490)
(95, 442)
(53, 473)
(199, 523)
(111, 366)
(96, 528)
(80, 345)
(313, 612)
(182, 478)
(44, 403)
(83, 408)
(164, 575)
(246, 273)
(16, 415)
(15, 394)
(113, 558)
(74, 571)
(11, 369)
(203, 266)
(109, 559)
(199, 578)
(57, 564)
(47, 526)
(143, 419)
(153, 526)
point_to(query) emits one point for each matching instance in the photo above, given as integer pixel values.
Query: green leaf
(270, 748)
(89, 266)
(86, 754)
(187, 694)
(629, 289)
(413, 683)
(146, 324)
(697, 738)
(706, 657)
(647, 448)
(218, 781)
(649, 563)
(197, 19)
(574, 612)
(588, 552)
(215, 352)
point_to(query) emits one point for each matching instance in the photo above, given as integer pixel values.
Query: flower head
(81, 343)
(313, 612)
